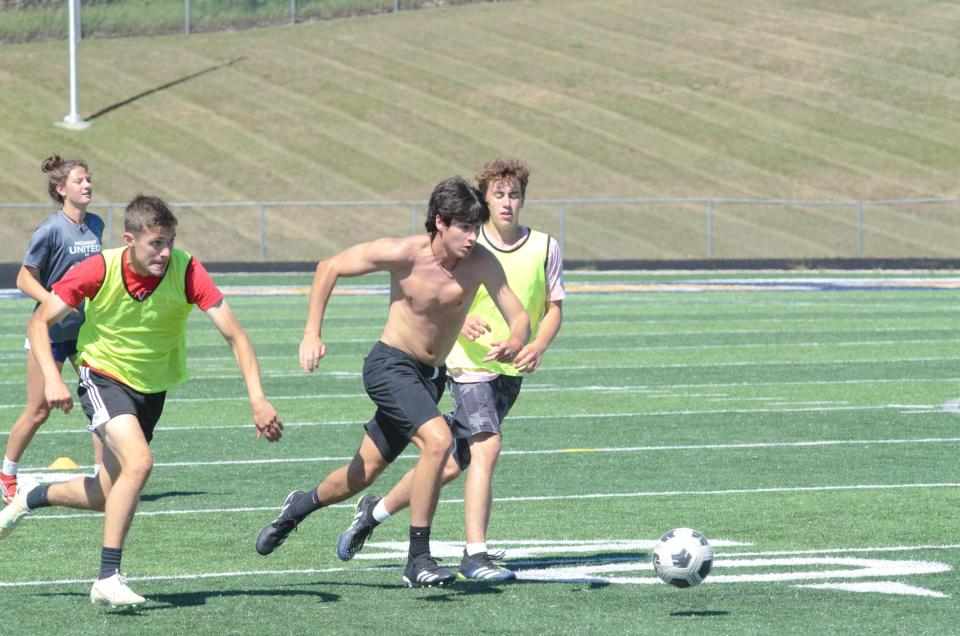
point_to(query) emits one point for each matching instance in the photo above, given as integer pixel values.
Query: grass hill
(604, 98)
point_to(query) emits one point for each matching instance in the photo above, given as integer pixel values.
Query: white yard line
(554, 417)
(355, 569)
(538, 498)
(650, 392)
(531, 383)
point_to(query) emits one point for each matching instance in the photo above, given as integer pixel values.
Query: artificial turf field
(807, 424)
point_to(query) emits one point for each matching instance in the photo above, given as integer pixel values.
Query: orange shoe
(8, 487)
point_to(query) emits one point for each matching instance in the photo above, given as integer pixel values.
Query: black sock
(37, 498)
(419, 541)
(109, 562)
(302, 507)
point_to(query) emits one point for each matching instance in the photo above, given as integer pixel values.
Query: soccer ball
(682, 557)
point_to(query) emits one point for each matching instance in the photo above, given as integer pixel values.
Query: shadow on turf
(430, 595)
(161, 87)
(443, 594)
(191, 599)
(157, 602)
(436, 594)
(600, 558)
(172, 493)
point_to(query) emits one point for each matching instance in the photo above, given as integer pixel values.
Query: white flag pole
(73, 120)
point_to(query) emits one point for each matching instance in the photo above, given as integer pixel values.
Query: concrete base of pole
(73, 122)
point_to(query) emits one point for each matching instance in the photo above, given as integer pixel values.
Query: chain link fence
(589, 230)
(27, 20)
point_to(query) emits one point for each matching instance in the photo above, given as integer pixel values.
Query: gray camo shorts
(479, 407)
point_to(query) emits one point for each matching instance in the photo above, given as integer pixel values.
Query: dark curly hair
(455, 200)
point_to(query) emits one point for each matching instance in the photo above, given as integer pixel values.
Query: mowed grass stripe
(849, 64)
(787, 49)
(662, 148)
(654, 103)
(718, 58)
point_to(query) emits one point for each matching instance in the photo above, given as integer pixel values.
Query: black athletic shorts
(406, 392)
(63, 350)
(104, 398)
(479, 407)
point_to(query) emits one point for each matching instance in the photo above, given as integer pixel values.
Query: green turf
(809, 427)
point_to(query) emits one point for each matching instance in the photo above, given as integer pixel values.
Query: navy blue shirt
(57, 245)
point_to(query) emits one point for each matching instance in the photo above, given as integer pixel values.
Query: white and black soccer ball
(682, 557)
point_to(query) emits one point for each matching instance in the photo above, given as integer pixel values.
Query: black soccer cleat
(352, 539)
(481, 567)
(273, 536)
(424, 571)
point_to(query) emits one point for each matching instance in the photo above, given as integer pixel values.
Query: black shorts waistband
(428, 370)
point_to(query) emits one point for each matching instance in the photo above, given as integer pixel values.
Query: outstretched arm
(51, 311)
(528, 360)
(360, 259)
(264, 415)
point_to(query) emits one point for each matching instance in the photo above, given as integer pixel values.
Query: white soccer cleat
(8, 488)
(115, 592)
(17, 510)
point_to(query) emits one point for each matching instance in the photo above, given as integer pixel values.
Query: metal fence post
(710, 228)
(186, 17)
(110, 227)
(396, 5)
(293, 11)
(263, 232)
(413, 218)
(859, 229)
(563, 228)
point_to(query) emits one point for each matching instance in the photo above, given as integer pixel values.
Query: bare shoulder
(482, 257)
(483, 265)
(398, 250)
(414, 243)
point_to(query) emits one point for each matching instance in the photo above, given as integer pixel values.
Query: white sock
(9, 467)
(380, 513)
(96, 470)
(476, 548)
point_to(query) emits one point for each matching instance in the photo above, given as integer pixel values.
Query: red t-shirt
(85, 279)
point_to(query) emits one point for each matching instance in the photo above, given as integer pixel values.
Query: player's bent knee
(96, 497)
(39, 415)
(436, 434)
(369, 475)
(438, 447)
(485, 448)
(139, 467)
(363, 471)
(451, 473)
